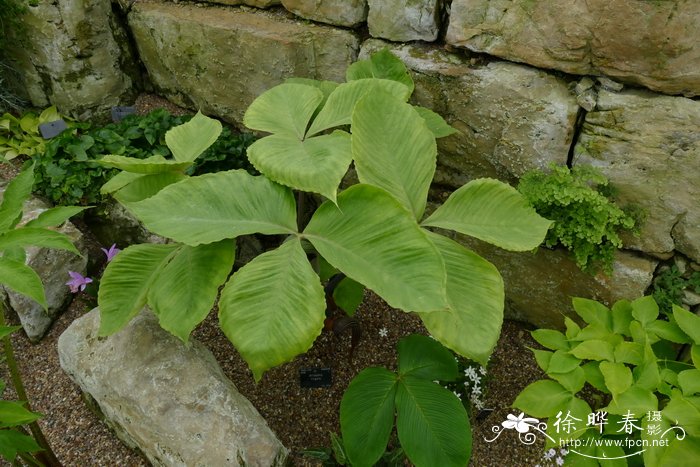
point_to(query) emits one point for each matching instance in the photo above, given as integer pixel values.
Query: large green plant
(625, 353)
(17, 276)
(374, 232)
(21, 137)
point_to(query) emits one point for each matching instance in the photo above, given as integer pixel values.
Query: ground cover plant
(670, 284)
(646, 388)
(586, 220)
(374, 232)
(30, 445)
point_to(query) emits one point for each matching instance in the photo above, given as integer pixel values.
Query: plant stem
(29, 459)
(46, 457)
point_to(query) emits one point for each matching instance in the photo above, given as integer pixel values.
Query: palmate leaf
(152, 165)
(284, 109)
(185, 289)
(273, 308)
(475, 294)
(436, 124)
(14, 414)
(326, 87)
(119, 181)
(423, 357)
(348, 295)
(192, 138)
(367, 415)
(13, 442)
(374, 240)
(341, 102)
(212, 207)
(16, 193)
(382, 64)
(316, 164)
(432, 424)
(146, 186)
(393, 149)
(494, 212)
(55, 216)
(33, 236)
(125, 283)
(22, 279)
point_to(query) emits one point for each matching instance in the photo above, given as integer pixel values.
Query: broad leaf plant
(376, 232)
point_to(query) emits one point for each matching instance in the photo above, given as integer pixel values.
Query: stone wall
(612, 83)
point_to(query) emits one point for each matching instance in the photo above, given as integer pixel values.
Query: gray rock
(255, 3)
(74, 54)
(652, 43)
(404, 20)
(609, 84)
(510, 118)
(169, 400)
(114, 224)
(648, 146)
(52, 266)
(348, 13)
(220, 59)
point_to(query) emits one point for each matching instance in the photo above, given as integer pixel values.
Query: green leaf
(185, 289)
(315, 164)
(689, 381)
(687, 321)
(371, 238)
(669, 331)
(22, 279)
(13, 442)
(475, 296)
(213, 207)
(152, 165)
(348, 295)
(119, 181)
(576, 408)
(573, 380)
(14, 414)
(423, 357)
(273, 308)
(551, 339)
(594, 350)
(326, 87)
(4, 332)
(393, 149)
(432, 424)
(16, 193)
(684, 412)
(16, 253)
(284, 109)
(572, 329)
(563, 362)
(594, 376)
(367, 415)
(629, 352)
(695, 355)
(382, 64)
(636, 400)
(618, 377)
(55, 216)
(125, 283)
(189, 140)
(340, 105)
(681, 453)
(543, 398)
(492, 211)
(33, 236)
(621, 317)
(646, 376)
(436, 124)
(593, 312)
(645, 309)
(146, 186)
(542, 357)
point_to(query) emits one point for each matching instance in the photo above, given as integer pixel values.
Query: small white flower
(457, 394)
(471, 374)
(478, 405)
(559, 461)
(563, 451)
(550, 454)
(482, 370)
(476, 390)
(383, 332)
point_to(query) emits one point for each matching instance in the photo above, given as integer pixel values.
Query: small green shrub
(669, 285)
(624, 361)
(66, 173)
(20, 136)
(586, 221)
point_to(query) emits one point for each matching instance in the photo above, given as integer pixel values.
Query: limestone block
(539, 286)
(52, 266)
(348, 13)
(404, 20)
(114, 224)
(648, 145)
(220, 59)
(510, 118)
(652, 43)
(255, 3)
(169, 400)
(74, 54)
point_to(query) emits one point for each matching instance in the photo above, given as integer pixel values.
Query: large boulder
(652, 43)
(348, 13)
(648, 145)
(220, 59)
(169, 400)
(74, 54)
(510, 118)
(404, 20)
(52, 266)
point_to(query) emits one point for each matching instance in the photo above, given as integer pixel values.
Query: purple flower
(77, 282)
(112, 252)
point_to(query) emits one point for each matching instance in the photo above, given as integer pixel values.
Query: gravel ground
(302, 418)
